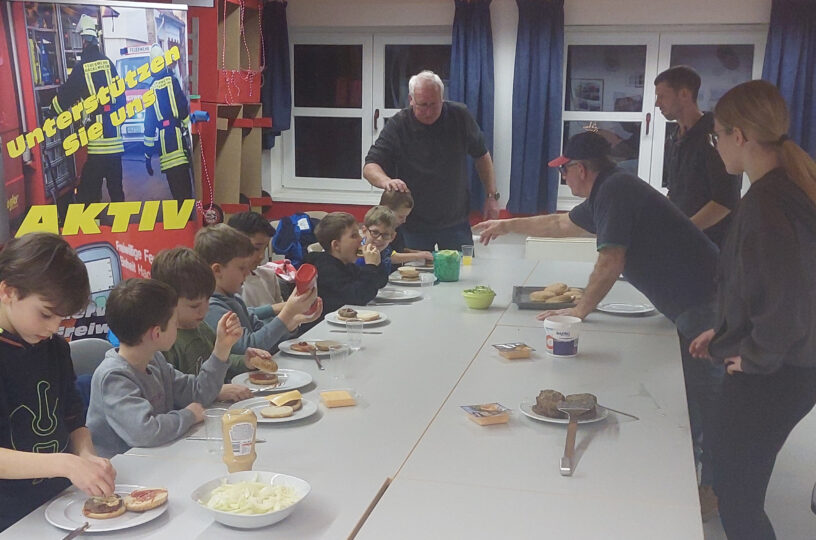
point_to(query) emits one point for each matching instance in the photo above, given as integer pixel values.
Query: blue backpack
(293, 236)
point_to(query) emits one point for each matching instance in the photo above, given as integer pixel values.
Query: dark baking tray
(521, 297)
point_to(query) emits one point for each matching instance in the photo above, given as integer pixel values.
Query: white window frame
(285, 186)
(658, 40)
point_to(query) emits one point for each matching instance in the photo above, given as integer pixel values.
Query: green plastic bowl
(479, 300)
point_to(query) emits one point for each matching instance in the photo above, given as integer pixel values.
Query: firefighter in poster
(166, 121)
(95, 71)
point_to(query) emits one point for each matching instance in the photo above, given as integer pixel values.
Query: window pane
(605, 77)
(404, 61)
(623, 136)
(721, 67)
(328, 147)
(329, 76)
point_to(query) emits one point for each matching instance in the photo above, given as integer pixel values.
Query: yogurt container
(562, 335)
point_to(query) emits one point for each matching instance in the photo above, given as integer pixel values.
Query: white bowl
(252, 521)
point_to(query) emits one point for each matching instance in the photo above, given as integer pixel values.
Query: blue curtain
(536, 106)
(790, 64)
(471, 75)
(276, 93)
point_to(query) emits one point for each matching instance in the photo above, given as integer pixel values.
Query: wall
(407, 13)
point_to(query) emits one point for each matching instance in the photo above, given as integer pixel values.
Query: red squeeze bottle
(306, 280)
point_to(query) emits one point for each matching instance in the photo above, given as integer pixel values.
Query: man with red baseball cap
(641, 235)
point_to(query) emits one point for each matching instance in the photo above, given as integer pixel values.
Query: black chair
(813, 499)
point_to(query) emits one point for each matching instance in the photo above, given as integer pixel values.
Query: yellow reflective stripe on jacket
(173, 159)
(55, 105)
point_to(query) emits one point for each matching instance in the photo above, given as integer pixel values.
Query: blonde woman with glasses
(766, 330)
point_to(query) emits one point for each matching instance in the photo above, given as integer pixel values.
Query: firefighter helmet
(86, 26)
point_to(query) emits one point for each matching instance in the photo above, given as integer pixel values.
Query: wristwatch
(494, 196)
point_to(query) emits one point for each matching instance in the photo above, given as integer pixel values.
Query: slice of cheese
(285, 398)
(337, 398)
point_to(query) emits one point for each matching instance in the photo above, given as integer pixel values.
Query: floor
(789, 493)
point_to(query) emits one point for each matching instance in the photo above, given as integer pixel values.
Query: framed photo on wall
(587, 94)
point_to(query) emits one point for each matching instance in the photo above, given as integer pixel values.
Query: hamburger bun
(264, 364)
(262, 378)
(327, 345)
(408, 272)
(345, 314)
(142, 500)
(292, 398)
(541, 296)
(277, 412)
(302, 346)
(560, 298)
(367, 315)
(557, 288)
(104, 507)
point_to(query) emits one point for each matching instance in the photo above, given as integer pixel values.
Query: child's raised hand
(295, 306)
(252, 352)
(233, 392)
(302, 318)
(227, 333)
(371, 254)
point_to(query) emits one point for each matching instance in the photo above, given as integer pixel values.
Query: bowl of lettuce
(479, 297)
(251, 499)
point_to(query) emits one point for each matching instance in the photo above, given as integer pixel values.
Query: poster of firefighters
(101, 113)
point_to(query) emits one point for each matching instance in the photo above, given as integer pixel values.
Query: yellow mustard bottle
(238, 427)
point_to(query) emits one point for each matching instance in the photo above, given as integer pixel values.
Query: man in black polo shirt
(423, 149)
(692, 169)
(704, 191)
(646, 238)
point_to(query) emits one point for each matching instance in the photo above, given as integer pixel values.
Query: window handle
(648, 121)
(376, 116)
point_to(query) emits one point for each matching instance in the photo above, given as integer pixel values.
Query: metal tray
(521, 297)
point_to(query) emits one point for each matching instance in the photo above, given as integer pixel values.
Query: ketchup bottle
(305, 281)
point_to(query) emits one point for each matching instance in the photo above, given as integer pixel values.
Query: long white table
(428, 351)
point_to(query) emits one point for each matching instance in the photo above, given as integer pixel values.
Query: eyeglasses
(563, 168)
(714, 137)
(376, 235)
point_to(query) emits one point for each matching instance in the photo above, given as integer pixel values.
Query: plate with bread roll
(129, 506)
(545, 408)
(279, 381)
(553, 296)
(346, 314)
(274, 409)
(301, 347)
(410, 275)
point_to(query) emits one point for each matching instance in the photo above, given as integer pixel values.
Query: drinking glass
(338, 358)
(354, 334)
(467, 255)
(212, 429)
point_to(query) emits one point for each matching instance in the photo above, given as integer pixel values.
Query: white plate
(622, 308)
(258, 403)
(397, 295)
(527, 408)
(396, 279)
(286, 347)
(290, 379)
(331, 318)
(65, 512)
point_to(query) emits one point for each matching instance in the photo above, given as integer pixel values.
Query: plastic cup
(338, 360)
(212, 430)
(426, 281)
(467, 255)
(354, 334)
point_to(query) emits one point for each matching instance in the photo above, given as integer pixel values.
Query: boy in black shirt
(44, 444)
(339, 280)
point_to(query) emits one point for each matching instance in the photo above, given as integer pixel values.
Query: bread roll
(557, 288)
(547, 404)
(560, 298)
(541, 296)
(277, 412)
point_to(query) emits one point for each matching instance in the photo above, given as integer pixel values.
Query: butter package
(337, 398)
(487, 413)
(514, 351)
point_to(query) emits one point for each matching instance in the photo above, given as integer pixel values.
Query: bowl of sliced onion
(251, 499)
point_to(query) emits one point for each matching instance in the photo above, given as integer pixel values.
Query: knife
(76, 532)
(316, 359)
(364, 332)
(197, 438)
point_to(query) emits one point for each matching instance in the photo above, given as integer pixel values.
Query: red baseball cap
(587, 145)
